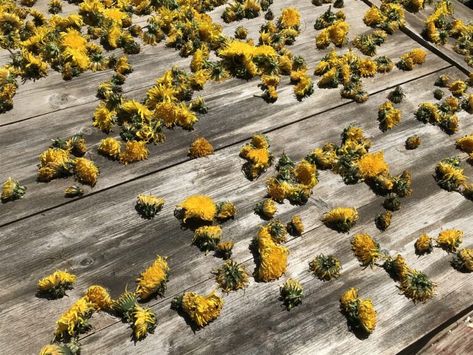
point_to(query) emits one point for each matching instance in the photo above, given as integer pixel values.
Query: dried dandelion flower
(225, 211)
(291, 293)
(231, 276)
(143, 322)
(412, 142)
(73, 191)
(241, 32)
(438, 94)
(201, 310)
(402, 184)
(449, 240)
(125, 305)
(71, 348)
(372, 165)
(383, 220)
(458, 87)
(467, 103)
(206, 238)
(54, 6)
(295, 227)
(134, 151)
(56, 284)
(423, 245)
(388, 116)
(396, 267)
(442, 81)
(200, 147)
(196, 207)
(276, 230)
(465, 143)
(152, 281)
(411, 59)
(463, 260)
(99, 296)
(341, 219)
(449, 175)
(86, 171)
(148, 205)
(392, 203)
(110, 147)
(416, 286)
(396, 95)
(12, 190)
(258, 156)
(224, 249)
(75, 320)
(272, 258)
(325, 268)
(360, 313)
(266, 209)
(366, 249)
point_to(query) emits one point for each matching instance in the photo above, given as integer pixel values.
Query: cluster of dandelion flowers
(416, 286)
(148, 205)
(99, 296)
(153, 280)
(198, 208)
(325, 267)
(206, 238)
(366, 249)
(341, 219)
(12, 190)
(75, 320)
(231, 276)
(143, 322)
(271, 258)
(200, 309)
(450, 239)
(257, 155)
(291, 293)
(56, 284)
(463, 260)
(360, 313)
(200, 147)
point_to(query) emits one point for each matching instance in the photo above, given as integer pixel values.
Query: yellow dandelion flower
(206, 238)
(153, 280)
(463, 260)
(74, 320)
(458, 87)
(450, 239)
(201, 310)
(465, 143)
(295, 227)
(367, 315)
(198, 207)
(348, 298)
(341, 219)
(272, 261)
(110, 147)
(231, 276)
(99, 296)
(366, 250)
(134, 151)
(416, 286)
(148, 205)
(368, 68)
(373, 17)
(143, 322)
(306, 173)
(104, 118)
(290, 18)
(200, 147)
(423, 245)
(56, 284)
(371, 165)
(12, 190)
(225, 211)
(86, 171)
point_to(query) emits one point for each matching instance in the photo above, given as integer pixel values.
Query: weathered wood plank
(103, 240)
(456, 339)
(235, 97)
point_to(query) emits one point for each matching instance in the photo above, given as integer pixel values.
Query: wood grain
(103, 240)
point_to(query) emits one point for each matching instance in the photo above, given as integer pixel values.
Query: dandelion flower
(295, 227)
(153, 280)
(143, 322)
(416, 286)
(465, 143)
(423, 245)
(201, 147)
(266, 208)
(463, 260)
(366, 250)
(225, 211)
(231, 276)
(412, 142)
(99, 296)
(197, 207)
(206, 238)
(75, 320)
(110, 147)
(325, 268)
(291, 293)
(450, 239)
(224, 249)
(341, 219)
(371, 165)
(201, 310)
(125, 305)
(56, 284)
(134, 151)
(86, 171)
(272, 259)
(148, 205)
(12, 190)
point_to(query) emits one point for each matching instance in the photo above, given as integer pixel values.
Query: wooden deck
(103, 241)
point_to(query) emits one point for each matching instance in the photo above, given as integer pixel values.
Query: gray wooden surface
(102, 239)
